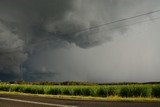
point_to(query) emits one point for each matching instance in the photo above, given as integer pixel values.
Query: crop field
(132, 90)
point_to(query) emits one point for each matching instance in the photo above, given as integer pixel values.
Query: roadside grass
(108, 92)
(109, 98)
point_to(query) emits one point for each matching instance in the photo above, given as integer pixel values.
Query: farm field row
(97, 91)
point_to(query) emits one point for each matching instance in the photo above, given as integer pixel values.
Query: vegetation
(132, 90)
(76, 83)
(156, 91)
(54, 83)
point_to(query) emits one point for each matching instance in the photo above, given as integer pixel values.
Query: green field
(131, 90)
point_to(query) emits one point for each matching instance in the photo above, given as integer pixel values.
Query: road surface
(7, 100)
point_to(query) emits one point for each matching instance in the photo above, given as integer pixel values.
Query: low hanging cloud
(30, 27)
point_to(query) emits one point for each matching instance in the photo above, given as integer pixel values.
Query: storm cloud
(46, 40)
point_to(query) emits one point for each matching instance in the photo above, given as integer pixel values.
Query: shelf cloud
(39, 39)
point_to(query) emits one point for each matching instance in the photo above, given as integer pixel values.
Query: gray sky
(44, 39)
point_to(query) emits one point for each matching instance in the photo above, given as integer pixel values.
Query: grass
(156, 91)
(109, 98)
(136, 91)
(109, 91)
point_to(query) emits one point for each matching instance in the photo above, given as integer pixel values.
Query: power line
(153, 19)
(120, 20)
(109, 23)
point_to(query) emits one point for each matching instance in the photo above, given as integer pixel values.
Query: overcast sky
(49, 40)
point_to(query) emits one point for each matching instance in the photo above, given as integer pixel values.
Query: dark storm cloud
(21, 29)
(29, 27)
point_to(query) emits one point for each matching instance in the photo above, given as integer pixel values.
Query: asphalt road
(7, 100)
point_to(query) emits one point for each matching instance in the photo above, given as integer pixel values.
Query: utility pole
(21, 72)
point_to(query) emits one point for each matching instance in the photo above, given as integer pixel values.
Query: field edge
(71, 97)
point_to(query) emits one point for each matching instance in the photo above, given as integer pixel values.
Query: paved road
(36, 101)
